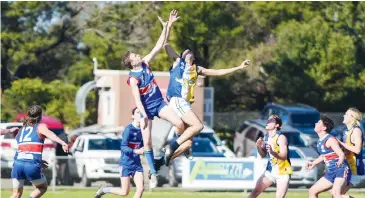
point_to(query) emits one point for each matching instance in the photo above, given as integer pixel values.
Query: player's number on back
(26, 134)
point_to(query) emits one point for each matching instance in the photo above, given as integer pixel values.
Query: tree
(56, 99)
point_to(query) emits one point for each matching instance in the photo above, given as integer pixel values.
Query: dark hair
(134, 110)
(34, 115)
(277, 120)
(328, 123)
(127, 62)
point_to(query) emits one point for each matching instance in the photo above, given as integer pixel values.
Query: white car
(298, 157)
(96, 157)
(9, 147)
(209, 133)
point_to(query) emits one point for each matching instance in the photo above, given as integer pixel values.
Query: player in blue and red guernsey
(338, 174)
(28, 163)
(147, 95)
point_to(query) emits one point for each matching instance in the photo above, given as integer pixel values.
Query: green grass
(166, 194)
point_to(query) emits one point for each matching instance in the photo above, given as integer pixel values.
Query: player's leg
(262, 183)
(338, 185)
(184, 148)
(148, 152)
(138, 180)
(188, 117)
(34, 173)
(321, 185)
(18, 185)
(282, 184)
(124, 181)
(18, 177)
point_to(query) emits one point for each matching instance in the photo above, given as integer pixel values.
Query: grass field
(168, 194)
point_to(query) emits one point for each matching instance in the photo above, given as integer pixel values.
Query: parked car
(300, 116)
(202, 147)
(9, 147)
(210, 134)
(338, 131)
(245, 140)
(96, 157)
(298, 157)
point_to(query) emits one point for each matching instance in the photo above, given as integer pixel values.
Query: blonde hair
(356, 115)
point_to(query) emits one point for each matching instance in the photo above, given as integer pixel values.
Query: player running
(338, 172)
(28, 158)
(278, 169)
(130, 163)
(147, 95)
(180, 93)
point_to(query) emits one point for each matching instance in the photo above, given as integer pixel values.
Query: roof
(296, 107)
(52, 123)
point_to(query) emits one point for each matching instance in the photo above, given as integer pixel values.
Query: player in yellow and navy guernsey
(28, 163)
(278, 169)
(353, 143)
(147, 95)
(180, 94)
(130, 162)
(338, 172)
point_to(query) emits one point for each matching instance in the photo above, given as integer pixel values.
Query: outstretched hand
(245, 64)
(173, 16)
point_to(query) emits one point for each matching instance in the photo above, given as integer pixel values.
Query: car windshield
(104, 144)
(293, 154)
(211, 136)
(294, 139)
(203, 147)
(304, 120)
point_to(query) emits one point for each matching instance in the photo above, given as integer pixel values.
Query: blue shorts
(27, 170)
(129, 171)
(154, 109)
(338, 172)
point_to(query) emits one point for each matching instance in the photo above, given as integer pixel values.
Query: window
(294, 139)
(242, 127)
(293, 154)
(104, 144)
(304, 120)
(251, 134)
(211, 136)
(205, 146)
(266, 113)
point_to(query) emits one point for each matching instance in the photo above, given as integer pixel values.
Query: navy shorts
(338, 172)
(129, 171)
(154, 109)
(27, 170)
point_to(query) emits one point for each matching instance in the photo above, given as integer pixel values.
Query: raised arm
(356, 138)
(221, 72)
(171, 52)
(163, 37)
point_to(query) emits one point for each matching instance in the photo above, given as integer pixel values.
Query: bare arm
(283, 144)
(157, 47)
(261, 151)
(260, 144)
(356, 137)
(221, 72)
(43, 129)
(137, 97)
(8, 131)
(333, 143)
(318, 160)
(171, 52)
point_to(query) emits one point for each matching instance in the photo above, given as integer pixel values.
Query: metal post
(54, 174)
